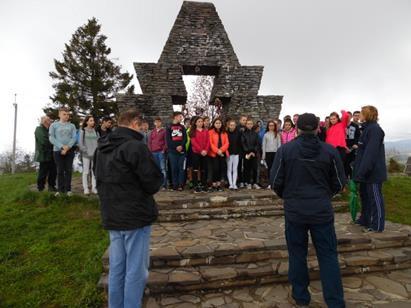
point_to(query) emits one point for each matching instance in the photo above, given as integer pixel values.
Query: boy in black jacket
(127, 177)
(371, 171)
(176, 138)
(306, 173)
(250, 145)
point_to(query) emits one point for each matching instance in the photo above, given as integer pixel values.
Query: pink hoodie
(337, 134)
(288, 136)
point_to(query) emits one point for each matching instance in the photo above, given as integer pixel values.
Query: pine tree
(87, 80)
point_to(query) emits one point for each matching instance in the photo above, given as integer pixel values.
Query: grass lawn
(51, 249)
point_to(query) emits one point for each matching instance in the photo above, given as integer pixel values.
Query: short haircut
(106, 119)
(243, 116)
(250, 120)
(158, 119)
(63, 109)
(356, 112)
(127, 117)
(349, 112)
(370, 113)
(177, 113)
(144, 121)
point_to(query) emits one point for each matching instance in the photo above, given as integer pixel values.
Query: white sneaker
(249, 186)
(94, 191)
(57, 194)
(235, 187)
(86, 192)
(269, 187)
(241, 185)
(69, 194)
(256, 186)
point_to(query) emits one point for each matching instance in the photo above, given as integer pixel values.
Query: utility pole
(13, 163)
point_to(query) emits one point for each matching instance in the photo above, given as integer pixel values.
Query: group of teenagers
(130, 167)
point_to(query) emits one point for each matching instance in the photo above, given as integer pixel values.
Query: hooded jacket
(370, 166)
(307, 173)
(127, 178)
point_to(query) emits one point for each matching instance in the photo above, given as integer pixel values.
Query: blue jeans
(177, 168)
(129, 262)
(325, 243)
(372, 207)
(159, 157)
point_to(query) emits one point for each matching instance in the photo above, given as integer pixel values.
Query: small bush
(394, 166)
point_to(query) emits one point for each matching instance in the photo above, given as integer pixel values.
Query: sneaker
(220, 188)
(57, 194)
(180, 188)
(197, 190)
(256, 186)
(367, 230)
(204, 189)
(241, 185)
(269, 187)
(69, 194)
(163, 188)
(86, 192)
(249, 186)
(235, 187)
(94, 191)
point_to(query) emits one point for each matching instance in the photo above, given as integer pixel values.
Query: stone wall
(198, 45)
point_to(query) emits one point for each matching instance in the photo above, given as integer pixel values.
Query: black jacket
(127, 177)
(234, 139)
(250, 141)
(307, 173)
(370, 166)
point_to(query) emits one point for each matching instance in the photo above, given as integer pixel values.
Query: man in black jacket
(371, 171)
(127, 177)
(306, 173)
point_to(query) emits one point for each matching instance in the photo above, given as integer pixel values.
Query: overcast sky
(322, 55)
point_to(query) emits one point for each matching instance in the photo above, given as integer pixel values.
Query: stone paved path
(392, 290)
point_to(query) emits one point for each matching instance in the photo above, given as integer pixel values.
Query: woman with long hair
(271, 143)
(88, 145)
(218, 152)
(200, 145)
(289, 132)
(337, 132)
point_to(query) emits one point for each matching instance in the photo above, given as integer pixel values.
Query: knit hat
(307, 122)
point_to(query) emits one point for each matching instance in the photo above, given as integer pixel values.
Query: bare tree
(24, 161)
(198, 100)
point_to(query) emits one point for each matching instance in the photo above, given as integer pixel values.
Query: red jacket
(157, 140)
(200, 141)
(337, 133)
(214, 143)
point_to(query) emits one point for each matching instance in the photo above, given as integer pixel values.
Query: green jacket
(44, 149)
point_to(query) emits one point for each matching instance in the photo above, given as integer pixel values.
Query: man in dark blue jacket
(127, 178)
(370, 171)
(307, 173)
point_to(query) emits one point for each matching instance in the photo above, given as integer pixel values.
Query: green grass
(397, 197)
(50, 249)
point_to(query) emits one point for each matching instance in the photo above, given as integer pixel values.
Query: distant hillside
(400, 149)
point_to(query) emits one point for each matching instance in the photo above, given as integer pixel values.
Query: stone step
(237, 209)
(237, 241)
(376, 290)
(169, 280)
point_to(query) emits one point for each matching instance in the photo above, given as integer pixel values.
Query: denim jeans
(64, 164)
(325, 243)
(129, 262)
(177, 168)
(159, 157)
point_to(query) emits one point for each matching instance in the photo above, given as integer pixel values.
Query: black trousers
(269, 159)
(250, 170)
(199, 164)
(240, 168)
(64, 165)
(218, 164)
(350, 158)
(47, 171)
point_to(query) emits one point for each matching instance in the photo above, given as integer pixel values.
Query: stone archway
(198, 45)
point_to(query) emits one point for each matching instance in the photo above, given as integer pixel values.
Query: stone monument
(198, 45)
